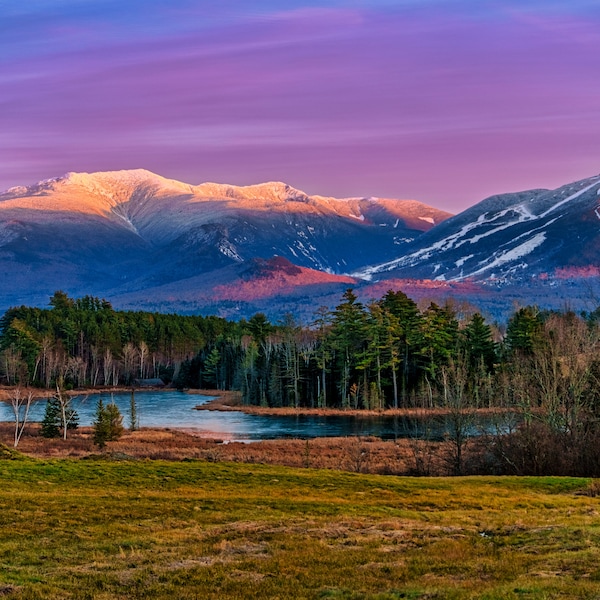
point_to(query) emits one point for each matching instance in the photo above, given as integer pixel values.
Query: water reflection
(176, 409)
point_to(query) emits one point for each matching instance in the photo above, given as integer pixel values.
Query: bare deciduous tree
(143, 353)
(20, 403)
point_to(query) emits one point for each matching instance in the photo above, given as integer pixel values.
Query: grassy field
(104, 529)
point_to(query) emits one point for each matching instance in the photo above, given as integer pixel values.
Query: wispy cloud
(334, 95)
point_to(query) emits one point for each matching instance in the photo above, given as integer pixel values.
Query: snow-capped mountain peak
(136, 228)
(507, 236)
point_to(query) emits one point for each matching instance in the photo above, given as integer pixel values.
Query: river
(177, 410)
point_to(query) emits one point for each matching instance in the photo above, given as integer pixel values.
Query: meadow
(103, 528)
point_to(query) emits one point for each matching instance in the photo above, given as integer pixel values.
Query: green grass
(100, 529)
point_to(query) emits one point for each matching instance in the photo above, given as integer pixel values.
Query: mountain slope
(274, 287)
(508, 237)
(127, 232)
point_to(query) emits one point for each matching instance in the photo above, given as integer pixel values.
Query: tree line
(85, 342)
(389, 353)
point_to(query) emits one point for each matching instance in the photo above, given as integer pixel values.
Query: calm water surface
(176, 409)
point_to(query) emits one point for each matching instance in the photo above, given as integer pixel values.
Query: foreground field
(138, 529)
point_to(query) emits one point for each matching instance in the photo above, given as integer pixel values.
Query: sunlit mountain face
(162, 243)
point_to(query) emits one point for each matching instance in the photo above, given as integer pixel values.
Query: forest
(388, 354)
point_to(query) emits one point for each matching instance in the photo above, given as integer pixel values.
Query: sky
(442, 101)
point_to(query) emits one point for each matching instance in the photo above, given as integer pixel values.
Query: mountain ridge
(121, 233)
(506, 236)
(145, 241)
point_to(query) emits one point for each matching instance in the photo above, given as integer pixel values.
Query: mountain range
(146, 242)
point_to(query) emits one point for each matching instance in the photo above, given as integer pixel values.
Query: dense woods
(544, 366)
(388, 354)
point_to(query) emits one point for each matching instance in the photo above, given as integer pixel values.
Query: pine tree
(524, 333)
(133, 417)
(101, 425)
(108, 425)
(115, 422)
(403, 322)
(479, 346)
(51, 422)
(348, 336)
(211, 367)
(438, 338)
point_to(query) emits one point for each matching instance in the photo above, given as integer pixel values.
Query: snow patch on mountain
(358, 217)
(461, 261)
(228, 250)
(501, 258)
(118, 211)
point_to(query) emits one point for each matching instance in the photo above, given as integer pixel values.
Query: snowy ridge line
(461, 237)
(452, 241)
(514, 253)
(569, 199)
(501, 257)
(524, 215)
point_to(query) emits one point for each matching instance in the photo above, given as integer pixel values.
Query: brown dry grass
(356, 454)
(232, 401)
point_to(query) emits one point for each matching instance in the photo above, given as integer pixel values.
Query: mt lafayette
(136, 237)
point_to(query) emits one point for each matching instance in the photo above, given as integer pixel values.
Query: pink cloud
(410, 104)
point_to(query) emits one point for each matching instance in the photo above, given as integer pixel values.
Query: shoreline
(231, 401)
(362, 454)
(354, 454)
(40, 393)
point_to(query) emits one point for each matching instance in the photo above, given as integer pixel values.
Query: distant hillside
(512, 237)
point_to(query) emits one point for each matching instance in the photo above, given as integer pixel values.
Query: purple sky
(441, 101)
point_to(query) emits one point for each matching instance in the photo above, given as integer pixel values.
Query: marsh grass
(106, 529)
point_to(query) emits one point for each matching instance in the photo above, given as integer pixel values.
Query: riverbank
(232, 401)
(361, 453)
(7, 392)
(357, 454)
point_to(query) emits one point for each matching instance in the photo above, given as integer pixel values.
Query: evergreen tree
(438, 338)
(211, 367)
(108, 425)
(403, 322)
(133, 417)
(115, 422)
(348, 336)
(52, 420)
(525, 331)
(478, 344)
(101, 425)
(58, 418)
